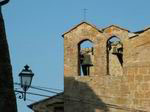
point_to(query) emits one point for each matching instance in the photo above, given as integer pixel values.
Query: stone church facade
(112, 75)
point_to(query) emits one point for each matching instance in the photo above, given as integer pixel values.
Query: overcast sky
(34, 29)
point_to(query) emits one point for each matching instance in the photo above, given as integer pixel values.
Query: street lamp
(26, 76)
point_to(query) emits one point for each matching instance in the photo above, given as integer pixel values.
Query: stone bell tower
(84, 67)
(110, 75)
(76, 57)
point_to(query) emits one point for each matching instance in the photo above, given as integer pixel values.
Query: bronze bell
(114, 50)
(120, 50)
(87, 60)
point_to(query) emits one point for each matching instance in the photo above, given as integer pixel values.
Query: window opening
(85, 57)
(114, 47)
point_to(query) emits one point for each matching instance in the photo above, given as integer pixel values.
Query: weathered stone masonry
(125, 90)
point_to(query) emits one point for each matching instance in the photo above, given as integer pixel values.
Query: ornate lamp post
(26, 76)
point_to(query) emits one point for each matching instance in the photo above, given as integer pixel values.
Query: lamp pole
(7, 95)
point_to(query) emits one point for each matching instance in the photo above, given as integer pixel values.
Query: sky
(35, 27)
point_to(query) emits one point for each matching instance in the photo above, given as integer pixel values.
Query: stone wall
(103, 92)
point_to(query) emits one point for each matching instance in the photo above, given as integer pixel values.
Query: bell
(87, 60)
(114, 50)
(120, 50)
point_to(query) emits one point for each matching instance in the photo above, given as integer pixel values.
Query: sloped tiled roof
(141, 31)
(58, 96)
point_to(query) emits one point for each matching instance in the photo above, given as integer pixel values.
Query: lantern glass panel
(26, 80)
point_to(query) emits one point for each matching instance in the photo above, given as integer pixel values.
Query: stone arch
(85, 57)
(114, 55)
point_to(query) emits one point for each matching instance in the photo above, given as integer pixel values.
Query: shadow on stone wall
(79, 97)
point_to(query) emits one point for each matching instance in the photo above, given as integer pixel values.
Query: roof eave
(31, 105)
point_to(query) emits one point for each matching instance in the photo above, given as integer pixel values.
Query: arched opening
(114, 55)
(85, 53)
